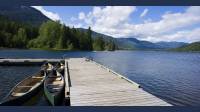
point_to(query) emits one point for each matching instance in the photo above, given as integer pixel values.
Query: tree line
(14, 34)
(50, 35)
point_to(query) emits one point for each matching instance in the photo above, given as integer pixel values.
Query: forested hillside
(50, 35)
(25, 14)
(190, 47)
(14, 34)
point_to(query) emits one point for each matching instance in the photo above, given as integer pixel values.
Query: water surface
(172, 76)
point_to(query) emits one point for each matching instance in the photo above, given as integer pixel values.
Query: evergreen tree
(49, 35)
(89, 33)
(20, 39)
(12, 32)
(71, 46)
(62, 42)
(98, 44)
(110, 45)
(2, 39)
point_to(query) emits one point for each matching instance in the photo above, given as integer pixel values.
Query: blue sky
(152, 23)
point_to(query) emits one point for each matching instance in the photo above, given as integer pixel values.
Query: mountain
(169, 45)
(23, 14)
(190, 47)
(96, 34)
(133, 43)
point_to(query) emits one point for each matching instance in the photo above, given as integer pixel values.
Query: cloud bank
(115, 21)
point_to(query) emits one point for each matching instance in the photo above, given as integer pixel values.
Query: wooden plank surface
(95, 85)
(15, 62)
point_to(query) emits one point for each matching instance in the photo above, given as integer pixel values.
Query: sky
(150, 23)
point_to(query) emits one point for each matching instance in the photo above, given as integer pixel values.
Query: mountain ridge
(131, 43)
(195, 46)
(24, 14)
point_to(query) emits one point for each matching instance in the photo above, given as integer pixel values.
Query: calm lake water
(172, 76)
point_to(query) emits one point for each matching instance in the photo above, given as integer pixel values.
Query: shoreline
(47, 49)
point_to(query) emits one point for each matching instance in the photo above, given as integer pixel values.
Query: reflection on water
(172, 76)
(37, 100)
(11, 75)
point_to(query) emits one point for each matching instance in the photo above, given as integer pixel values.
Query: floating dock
(93, 84)
(18, 62)
(88, 83)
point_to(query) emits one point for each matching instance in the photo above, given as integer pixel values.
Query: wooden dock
(88, 83)
(17, 62)
(95, 85)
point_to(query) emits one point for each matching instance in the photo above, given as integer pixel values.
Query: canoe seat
(36, 85)
(53, 76)
(24, 86)
(58, 79)
(54, 86)
(54, 90)
(37, 77)
(17, 94)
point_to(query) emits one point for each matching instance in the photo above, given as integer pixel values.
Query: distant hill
(23, 14)
(190, 47)
(133, 43)
(96, 34)
(168, 45)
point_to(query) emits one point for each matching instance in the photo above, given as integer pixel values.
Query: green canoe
(54, 87)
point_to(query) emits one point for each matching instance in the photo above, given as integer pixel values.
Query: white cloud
(115, 21)
(71, 25)
(51, 15)
(107, 19)
(81, 15)
(73, 19)
(185, 35)
(79, 25)
(169, 23)
(148, 20)
(144, 13)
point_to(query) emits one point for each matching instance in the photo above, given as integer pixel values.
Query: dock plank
(67, 85)
(27, 61)
(94, 85)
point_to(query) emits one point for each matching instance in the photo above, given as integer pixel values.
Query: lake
(172, 76)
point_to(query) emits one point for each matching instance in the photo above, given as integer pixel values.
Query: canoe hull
(22, 99)
(54, 99)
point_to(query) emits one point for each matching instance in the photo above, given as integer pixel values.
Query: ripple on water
(172, 76)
